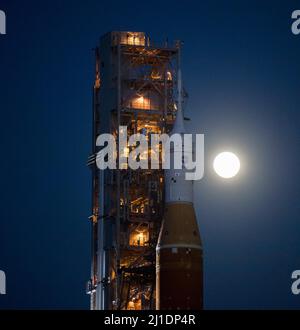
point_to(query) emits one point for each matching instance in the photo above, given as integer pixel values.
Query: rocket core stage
(179, 260)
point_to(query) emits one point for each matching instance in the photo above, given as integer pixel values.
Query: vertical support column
(165, 99)
(117, 247)
(179, 87)
(95, 187)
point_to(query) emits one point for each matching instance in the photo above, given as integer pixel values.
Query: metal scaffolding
(135, 85)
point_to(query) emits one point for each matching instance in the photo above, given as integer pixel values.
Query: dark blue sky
(241, 66)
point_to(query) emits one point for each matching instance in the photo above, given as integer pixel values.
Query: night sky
(241, 67)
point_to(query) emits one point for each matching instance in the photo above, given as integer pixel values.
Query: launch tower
(135, 86)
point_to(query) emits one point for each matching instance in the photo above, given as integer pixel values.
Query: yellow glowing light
(226, 165)
(141, 103)
(131, 305)
(126, 152)
(138, 238)
(137, 39)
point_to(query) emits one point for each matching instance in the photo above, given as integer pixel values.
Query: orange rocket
(179, 259)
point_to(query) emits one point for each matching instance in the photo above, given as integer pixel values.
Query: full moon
(226, 165)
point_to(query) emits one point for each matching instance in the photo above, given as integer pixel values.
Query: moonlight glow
(227, 165)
